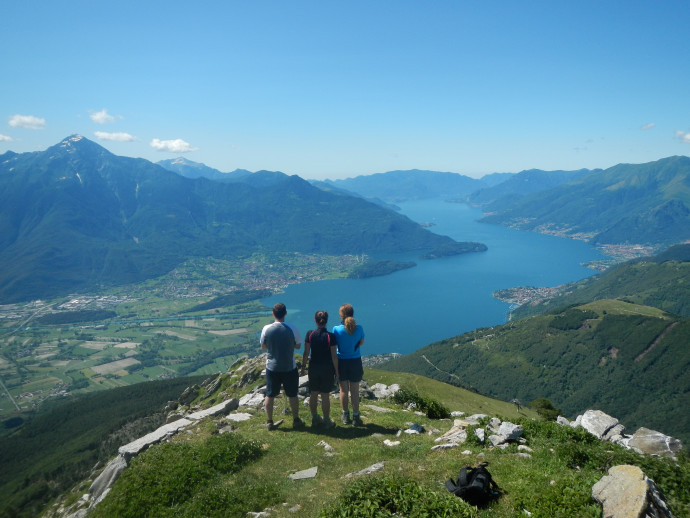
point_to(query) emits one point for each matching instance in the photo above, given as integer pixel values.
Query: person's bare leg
(326, 405)
(344, 389)
(294, 407)
(268, 403)
(354, 396)
(344, 392)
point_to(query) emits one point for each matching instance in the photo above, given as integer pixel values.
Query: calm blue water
(438, 299)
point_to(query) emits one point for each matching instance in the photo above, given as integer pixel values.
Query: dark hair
(347, 314)
(279, 310)
(321, 318)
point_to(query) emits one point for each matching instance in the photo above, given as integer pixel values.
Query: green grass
(620, 307)
(555, 482)
(448, 395)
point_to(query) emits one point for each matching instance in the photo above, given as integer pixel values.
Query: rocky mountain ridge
(492, 433)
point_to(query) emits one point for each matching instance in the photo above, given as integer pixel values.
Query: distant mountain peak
(79, 144)
(69, 143)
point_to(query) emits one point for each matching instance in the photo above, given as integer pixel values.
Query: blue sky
(327, 89)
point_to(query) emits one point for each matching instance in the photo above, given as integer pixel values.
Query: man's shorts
(350, 370)
(288, 380)
(321, 377)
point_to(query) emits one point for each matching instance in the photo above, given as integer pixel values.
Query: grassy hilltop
(211, 471)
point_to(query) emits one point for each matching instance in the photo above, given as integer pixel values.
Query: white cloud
(683, 136)
(173, 146)
(102, 117)
(27, 122)
(115, 137)
(5, 138)
(646, 127)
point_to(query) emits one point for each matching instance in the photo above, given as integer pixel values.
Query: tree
(545, 409)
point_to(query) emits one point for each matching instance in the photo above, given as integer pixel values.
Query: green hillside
(661, 281)
(628, 360)
(212, 471)
(523, 183)
(54, 449)
(628, 203)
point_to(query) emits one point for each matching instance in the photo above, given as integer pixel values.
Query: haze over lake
(445, 297)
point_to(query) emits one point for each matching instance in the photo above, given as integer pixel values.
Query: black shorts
(321, 377)
(351, 369)
(289, 380)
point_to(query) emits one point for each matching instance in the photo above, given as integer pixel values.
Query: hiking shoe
(297, 423)
(316, 421)
(357, 421)
(328, 424)
(346, 418)
(270, 425)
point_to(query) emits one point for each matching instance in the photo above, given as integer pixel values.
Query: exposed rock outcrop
(652, 442)
(499, 432)
(627, 493)
(607, 428)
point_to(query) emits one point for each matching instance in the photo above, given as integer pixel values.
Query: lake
(440, 298)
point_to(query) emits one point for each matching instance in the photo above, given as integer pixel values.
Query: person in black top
(321, 355)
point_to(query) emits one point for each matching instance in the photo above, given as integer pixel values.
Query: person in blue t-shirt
(349, 336)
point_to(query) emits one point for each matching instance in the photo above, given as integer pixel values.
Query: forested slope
(628, 360)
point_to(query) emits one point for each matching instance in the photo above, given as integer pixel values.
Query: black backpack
(474, 485)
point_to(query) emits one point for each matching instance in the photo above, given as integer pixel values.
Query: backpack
(474, 485)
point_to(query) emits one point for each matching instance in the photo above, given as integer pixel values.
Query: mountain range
(646, 204)
(628, 203)
(395, 186)
(523, 183)
(76, 216)
(189, 169)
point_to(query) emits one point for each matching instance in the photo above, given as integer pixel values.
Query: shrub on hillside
(394, 495)
(433, 409)
(572, 319)
(169, 476)
(545, 409)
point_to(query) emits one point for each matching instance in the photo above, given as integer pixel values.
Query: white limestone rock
(137, 446)
(304, 474)
(382, 391)
(253, 399)
(367, 471)
(107, 477)
(651, 442)
(626, 492)
(219, 409)
(598, 423)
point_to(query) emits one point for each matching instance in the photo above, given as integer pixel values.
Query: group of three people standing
(329, 355)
